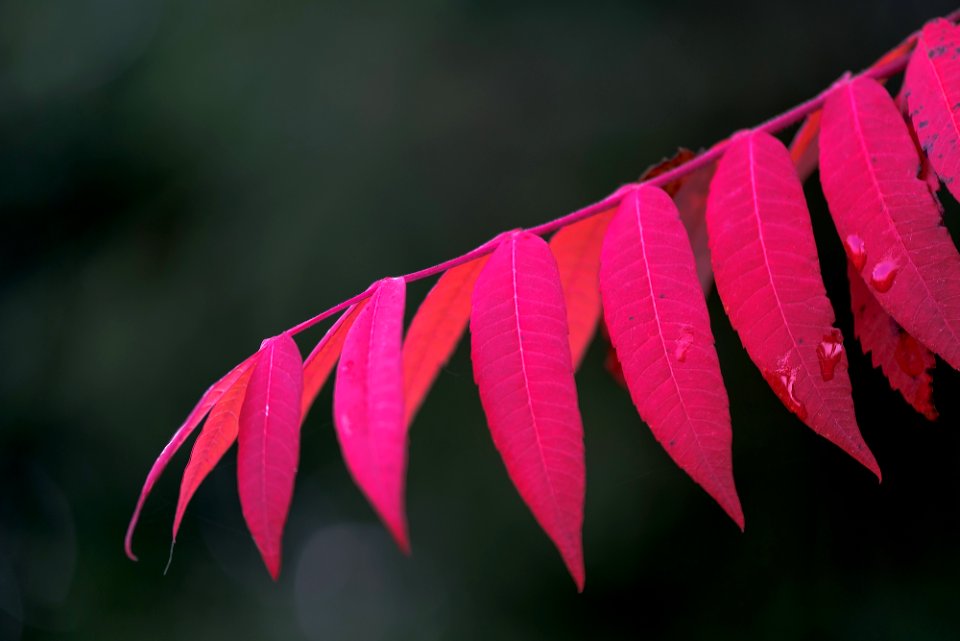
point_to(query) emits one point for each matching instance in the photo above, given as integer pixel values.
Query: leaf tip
(728, 500)
(737, 517)
(577, 572)
(128, 550)
(128, 537)
(271, 555)
(860, 451)
(572, 554)
(272, 562)
(397, 527)
(177, 520)
(868, 460)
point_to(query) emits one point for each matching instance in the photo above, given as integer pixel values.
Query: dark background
(180, 179)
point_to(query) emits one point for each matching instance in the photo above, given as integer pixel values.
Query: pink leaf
(689, 192)
(218, 434)
(208, 400)
(576, 248)
(932, 90)
(435, 331)
(268, 445)
(805, 146)
(904, 361)
(888, 219)
(657, 317)
(324, 356)
(768, 277)
(524, 371)
(368, 406)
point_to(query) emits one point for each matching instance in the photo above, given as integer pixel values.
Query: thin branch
(773, 125)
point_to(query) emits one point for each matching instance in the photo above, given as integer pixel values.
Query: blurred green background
(181, 179)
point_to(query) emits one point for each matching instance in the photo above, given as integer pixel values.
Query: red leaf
(691, 201)
(658, 322)
(690, 195)
(218, 434)
(208, 400)
(682, 156)
(268, 445)
(768, 276)
(887, 217)
(435, 331)
(932, 90)
(324, 356)
(576, 248)
(368, 406)
(610, 362)
(894, 54)
(805, 148)
(904, 362)
(524, 370)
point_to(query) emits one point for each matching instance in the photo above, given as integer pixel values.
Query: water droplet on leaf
(883, 275)
(909, 355)
(829, 352)
(856, 250)
(783, 382)
(683, 343)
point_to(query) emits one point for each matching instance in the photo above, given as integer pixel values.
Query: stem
(773, 125)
